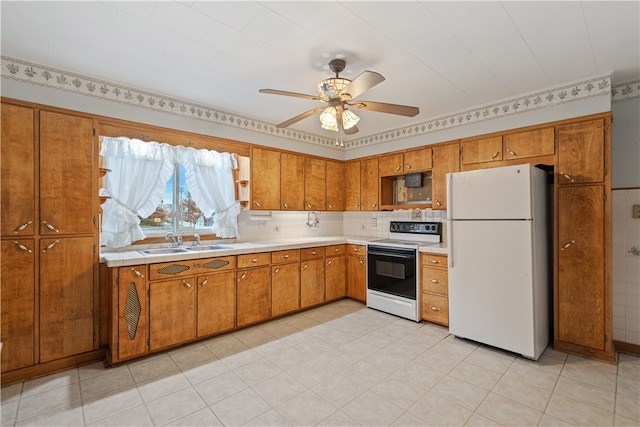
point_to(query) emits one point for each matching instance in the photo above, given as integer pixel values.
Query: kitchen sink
(163, 251)
(207, 248)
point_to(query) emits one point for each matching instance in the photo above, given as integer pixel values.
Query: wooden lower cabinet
(335, 273)
(172, 312)
(311, 282)
(285, 288)
(18, 303)
(216, 303)
(132, 290)
(357, 272)
(254, 295)
(435, 289)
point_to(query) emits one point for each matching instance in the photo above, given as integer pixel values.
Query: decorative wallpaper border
(40, 75)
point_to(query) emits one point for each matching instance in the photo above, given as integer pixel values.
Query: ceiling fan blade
(351, 130)
(285, 93)
(381, 107)
(365, 81)
(300, 117)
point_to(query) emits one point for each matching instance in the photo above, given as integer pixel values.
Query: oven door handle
(412, 256)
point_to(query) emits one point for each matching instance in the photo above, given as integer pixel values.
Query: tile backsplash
(625, 272)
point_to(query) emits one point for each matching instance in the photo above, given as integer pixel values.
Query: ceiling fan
(338, 93)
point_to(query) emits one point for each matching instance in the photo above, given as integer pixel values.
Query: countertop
(122, 258)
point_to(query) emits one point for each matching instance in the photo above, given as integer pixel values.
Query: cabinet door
(311, 282)
(482, 150)
(265, 179)
(254, 295)
(17, 154)
(417, 160)
(335, 277)
(18, 303)
(582, 289)
(66, 296)
(172, 312)
(285, 288)
(352, 185)
(581, 152)
(132, 312)
(446, 158)
(68, 177)
(216, 303)
(291, 182)
(314, 184)
(335, 186)
(540, 142)
(357, 276)
(370, 183)
(390, 164)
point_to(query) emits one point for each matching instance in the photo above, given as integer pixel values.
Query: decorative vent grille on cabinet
(132, 311)
(173, 269)
(216, 263)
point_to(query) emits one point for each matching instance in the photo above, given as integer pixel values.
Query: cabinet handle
(277, 270)
(361, 261)
(408, 166)
(357, 206)
(567, 245)
(329, 206)
(22, 247)
(313, 252)
(336, 250)
(243, 275)
(308, 205)
(567, 177)
(136, 272)
(254, 260)
(329, 262)
(305, 266)
(512, 153)
(285, 205)
(50, 245)
(495, 155)
(50, 227)
(186, 284)
(434, 308)
(434, 261)
(438, 202)
(285, 256)
(204, 282)
(22, 227)
(398, 168)
(256, 203)
(356, 249)
(375, 205)
(435, 281)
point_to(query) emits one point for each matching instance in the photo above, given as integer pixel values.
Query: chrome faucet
(177, 240)
(197, 237)
(313, 222)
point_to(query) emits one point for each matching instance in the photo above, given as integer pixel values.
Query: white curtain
(139, 174)
(209, 176)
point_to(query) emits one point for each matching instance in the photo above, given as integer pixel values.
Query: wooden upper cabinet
(370, 183)
(539, 142)
(68, 174)
(265, 179)
(417, 160)
(581, 152)
(352, 185)
(446, 159)
(315, 176)
(18, 190)
(391, 164)
(482, 150)
(291, 179)
(335, 199)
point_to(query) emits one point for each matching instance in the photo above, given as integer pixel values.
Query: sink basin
(163, 251)
(207, 248)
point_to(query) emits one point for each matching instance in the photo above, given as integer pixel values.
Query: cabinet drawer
(435, 308)
(335, 250)
(356, 249)
(435, 280)
(213, 265)
(278, 257)
(254, 260)
(432, 260)
(312, 253)
(168, 270)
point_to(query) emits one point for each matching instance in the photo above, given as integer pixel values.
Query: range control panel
(415, 227)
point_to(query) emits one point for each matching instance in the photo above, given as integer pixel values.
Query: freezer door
(498, 193)
(491, 286)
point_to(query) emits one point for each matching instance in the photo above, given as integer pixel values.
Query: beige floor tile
(629, 366)
(253, 336)
(534, 375)
(551, 361)
(50, 382)
(401, 393)
(156, 366)
(287, 358)
(628, 386)
(8, 412)
(629, 407)
(269, 418)
(479, 421)
(50, 401)
(460, 392)
(202, 372)
(67, 417)
(388, 360)
(255, 372)
(273, 346)
(373, 410)
(11, 392)
(111, 404)
(96, 386)
(623, 421)
(338, 390)
(338, 419)
(586, 393)
(202, 418)
(420, 375)
(192, 355)
(586, 373)
(307, 408)
(492, 359)
(240, 408)
(225, 345)
(136, 416)
(366, 374)
(279, 389)
(156, 388)
(94, 369)
(407, 419)
(522, 391)
(241, 358)
(220, 387)
(578, 413)
(434, 410)
(338, 360)
(413, 345)
(310, 372)
(476, 375)
(549, 421)
(175, 406)
(316, 346)
(508, 412)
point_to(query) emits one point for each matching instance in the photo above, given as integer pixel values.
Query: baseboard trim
(627, 348)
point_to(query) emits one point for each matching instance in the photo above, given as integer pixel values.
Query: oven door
(392, 271)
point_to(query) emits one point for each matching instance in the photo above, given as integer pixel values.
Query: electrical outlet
(636, 211)
(374, 221)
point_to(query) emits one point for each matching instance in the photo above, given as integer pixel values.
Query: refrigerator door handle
(450, 242)
(449, 196)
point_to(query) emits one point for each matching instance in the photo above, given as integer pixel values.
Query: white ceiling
(442, 57)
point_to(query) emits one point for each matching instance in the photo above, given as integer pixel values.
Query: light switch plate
(636, 211)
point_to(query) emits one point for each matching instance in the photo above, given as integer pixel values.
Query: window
(177, 212)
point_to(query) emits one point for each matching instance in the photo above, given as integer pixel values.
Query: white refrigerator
(498, 240)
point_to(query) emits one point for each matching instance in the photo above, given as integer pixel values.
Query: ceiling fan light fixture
(330, 88)
(328, 119)
(349, 119)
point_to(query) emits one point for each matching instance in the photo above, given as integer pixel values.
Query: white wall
(625, 144)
